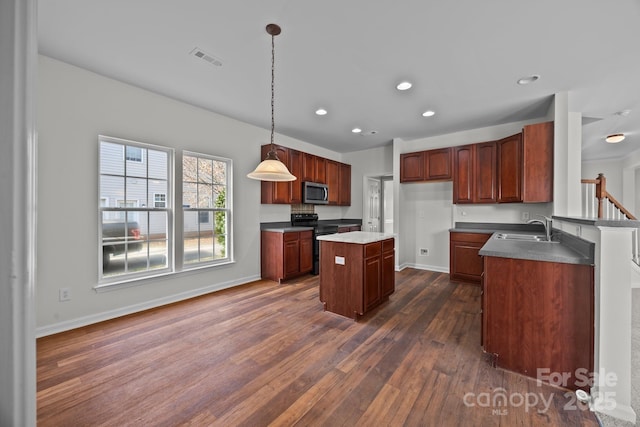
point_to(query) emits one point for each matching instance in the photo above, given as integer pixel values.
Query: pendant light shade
(271, 168)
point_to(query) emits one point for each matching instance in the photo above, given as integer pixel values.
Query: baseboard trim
(423, 267)
(67, 325)
(621, 412)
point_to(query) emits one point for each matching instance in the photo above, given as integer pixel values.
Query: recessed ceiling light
(428, 113)
(321, 112)
(404, 85)
(356, 130)
(615, 138)
(529, 79)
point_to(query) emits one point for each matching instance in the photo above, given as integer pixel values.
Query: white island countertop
(358, 237)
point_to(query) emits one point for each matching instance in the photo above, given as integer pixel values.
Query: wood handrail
(602, 193)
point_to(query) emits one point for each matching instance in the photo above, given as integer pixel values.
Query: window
(159, 200)
(206, 201)
(135, 215)
(133, 154)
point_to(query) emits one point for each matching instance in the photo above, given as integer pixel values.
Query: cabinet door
(437, 164)
(291, 254)
(308, 167)
(412, 167)
(465, 263)
(321, 170)
(510, 169)
(344, 194)
(463, 176)
(388, 272)
(295, 167)
(306, 251)
(537, 179)
(485, 173)
(276, 192)
(333, 181)
(372, 276)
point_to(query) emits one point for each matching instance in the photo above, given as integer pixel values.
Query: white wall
(374, 162)
(612, 170)
(425, 211)
(75, 106)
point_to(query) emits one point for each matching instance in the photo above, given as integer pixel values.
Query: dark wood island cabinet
(357, 272)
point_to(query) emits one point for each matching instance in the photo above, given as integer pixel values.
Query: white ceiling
(463, 57)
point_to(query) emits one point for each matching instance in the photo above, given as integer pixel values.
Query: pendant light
(271, 168)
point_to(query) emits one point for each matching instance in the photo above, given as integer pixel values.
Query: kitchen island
(357, 271)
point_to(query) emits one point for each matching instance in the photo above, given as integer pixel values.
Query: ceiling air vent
(201, 54)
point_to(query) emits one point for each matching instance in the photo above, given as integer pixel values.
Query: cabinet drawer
(306, 235)
(292, 235)
(470, 237)
(372, 249)
(387, 245)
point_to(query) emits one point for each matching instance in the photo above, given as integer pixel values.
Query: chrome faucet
(547, 224)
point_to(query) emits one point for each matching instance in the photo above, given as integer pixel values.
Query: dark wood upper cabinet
(333, 181)
(321, 170)
(438, 164)
(486, 176)
(412, 167)
(430, 165)
(537, 181)
(295, 167)
(308, 167)
(510, 169)
(276, 192)
(463, 174)
(344, 193)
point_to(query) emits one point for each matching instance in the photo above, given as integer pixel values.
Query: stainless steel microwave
(315, 193)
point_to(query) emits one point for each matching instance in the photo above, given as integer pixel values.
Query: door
(371, 208)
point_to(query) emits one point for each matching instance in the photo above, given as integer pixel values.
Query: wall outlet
(64, 294)
(525, 216)
(423, 252)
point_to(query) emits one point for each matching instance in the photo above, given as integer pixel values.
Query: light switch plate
(340, 260)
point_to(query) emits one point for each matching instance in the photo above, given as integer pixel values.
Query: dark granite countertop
(564, 247)
(286, 229)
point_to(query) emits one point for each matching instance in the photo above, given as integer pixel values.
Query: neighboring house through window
(136, 220)
(135, 236)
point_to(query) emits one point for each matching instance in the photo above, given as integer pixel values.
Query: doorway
(377, 205)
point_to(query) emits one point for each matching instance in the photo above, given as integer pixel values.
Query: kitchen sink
(522, 237)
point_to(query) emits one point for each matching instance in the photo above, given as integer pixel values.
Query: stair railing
(598, 203)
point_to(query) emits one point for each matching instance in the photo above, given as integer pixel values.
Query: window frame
(229, 258)
(135, 212)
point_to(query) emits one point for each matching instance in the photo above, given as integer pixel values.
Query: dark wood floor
(266, 354)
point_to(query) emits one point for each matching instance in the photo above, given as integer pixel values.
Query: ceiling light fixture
(321, 112)
(428, 113)
(615, 138)
(404, 86)
(529, 79)
(271, 168)
(356, 130)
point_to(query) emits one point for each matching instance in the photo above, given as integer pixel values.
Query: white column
(18, 63)
(567, 158)
(612, 393)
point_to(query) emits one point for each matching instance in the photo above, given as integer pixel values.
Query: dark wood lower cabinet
(465, 264)
(285, 255)
(355, 278)
(538, 317)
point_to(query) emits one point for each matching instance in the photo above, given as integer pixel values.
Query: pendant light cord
(273, 77)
